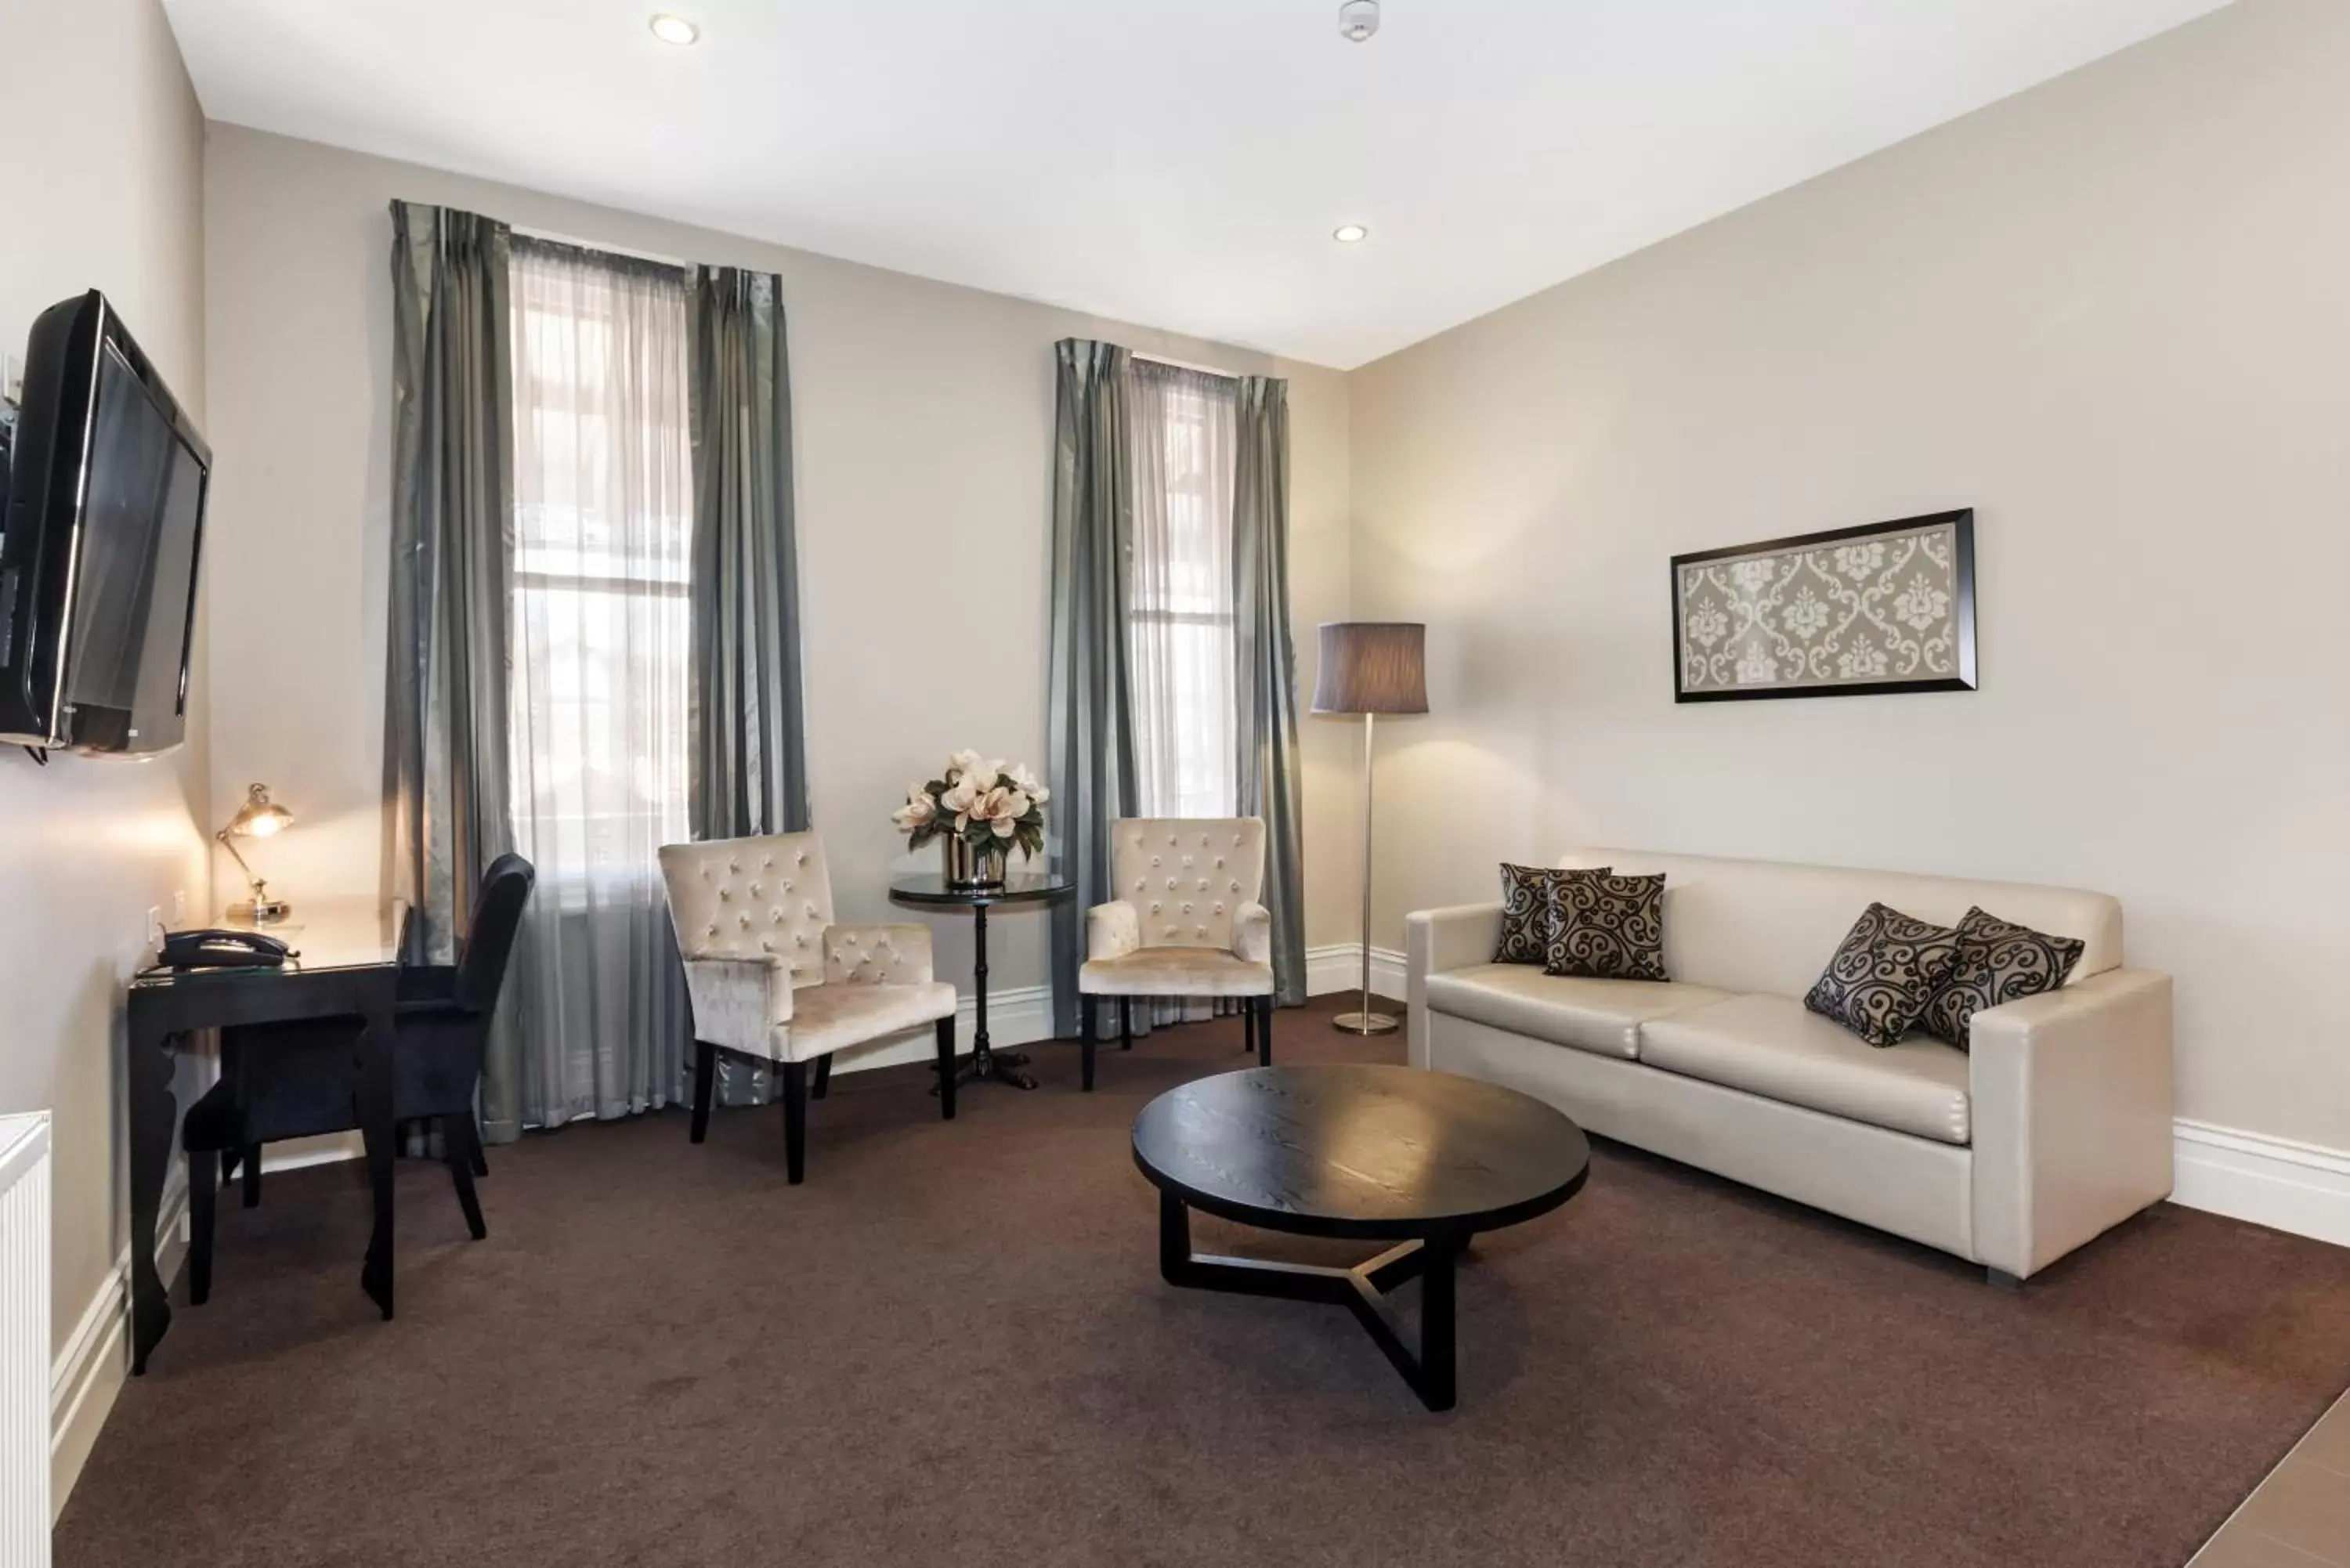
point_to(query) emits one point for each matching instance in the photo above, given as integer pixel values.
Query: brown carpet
(951, 1347)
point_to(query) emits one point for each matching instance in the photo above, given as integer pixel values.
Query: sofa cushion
(1999, 961)
(1603, 1016)
(1772, 1046)
(1879, 981)
(1606, 927)
(1528, 911)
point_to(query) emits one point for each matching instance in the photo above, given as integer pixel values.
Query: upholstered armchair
(773, 977)
(1186, 923)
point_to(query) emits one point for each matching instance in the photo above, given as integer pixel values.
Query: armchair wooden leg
(1088, 1025)
(1263, 1032)
(203, 1196)
(1248, 1025)
(457, 1150)
(1126, 1024)
(481, 1160)
(705, 1075)
(946, 1068)
(252, 1176)
(796, 1088)
(823, 1078)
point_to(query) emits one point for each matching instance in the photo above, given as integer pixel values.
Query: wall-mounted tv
(101, 512)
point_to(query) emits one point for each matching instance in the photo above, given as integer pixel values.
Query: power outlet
(154, 925)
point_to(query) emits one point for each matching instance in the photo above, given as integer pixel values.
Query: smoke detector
(1358, 19)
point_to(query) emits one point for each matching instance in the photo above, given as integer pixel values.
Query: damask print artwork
(1885, 608)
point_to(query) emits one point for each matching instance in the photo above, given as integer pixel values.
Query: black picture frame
(1962, 609)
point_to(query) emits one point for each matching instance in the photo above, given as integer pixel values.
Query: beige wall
(108, 199)
(2112, 315)
(924, 435)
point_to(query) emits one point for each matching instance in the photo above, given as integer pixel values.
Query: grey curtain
(445, 764)
(749, 773)
(1265, 678)
(1090, 740)
(750, 753)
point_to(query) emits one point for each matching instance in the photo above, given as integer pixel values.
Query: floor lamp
(1370, 666)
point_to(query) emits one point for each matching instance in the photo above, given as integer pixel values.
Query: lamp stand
(263, 911)
(1367, 1021)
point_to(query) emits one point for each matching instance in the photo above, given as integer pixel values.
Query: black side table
(933, 891)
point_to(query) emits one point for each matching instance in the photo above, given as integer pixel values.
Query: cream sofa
(2054, 1127)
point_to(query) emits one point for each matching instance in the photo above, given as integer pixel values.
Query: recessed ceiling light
(1350, 233)
(671, 29)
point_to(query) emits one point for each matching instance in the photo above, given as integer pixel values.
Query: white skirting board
(2272, 1181)
(1339, 967)
(90, 1372)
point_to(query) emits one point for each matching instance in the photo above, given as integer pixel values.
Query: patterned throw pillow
(1608, 927)
(1525, 914)
(1998, 961)
(1881, 980)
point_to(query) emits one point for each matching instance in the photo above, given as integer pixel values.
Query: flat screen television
(104, 489)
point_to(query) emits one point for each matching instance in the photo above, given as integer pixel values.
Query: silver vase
(970, 865)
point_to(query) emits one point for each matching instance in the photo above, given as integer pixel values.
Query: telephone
(222, 949)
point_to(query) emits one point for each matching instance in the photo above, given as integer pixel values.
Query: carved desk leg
(377, 1045)
(153, 1114)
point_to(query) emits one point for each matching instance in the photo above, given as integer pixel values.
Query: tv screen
(97, 565)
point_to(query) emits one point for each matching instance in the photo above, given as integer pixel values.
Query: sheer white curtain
(1180, 642)
(1180, 638)
(601, 649)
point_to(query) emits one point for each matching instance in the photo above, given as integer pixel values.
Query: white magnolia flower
(963, 764)
(962, 795)
(919, 810)
(1028, 785)
(1012, 806)
(1003, 828)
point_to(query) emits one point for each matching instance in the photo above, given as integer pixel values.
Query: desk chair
(1186, 923)
(297, 1079)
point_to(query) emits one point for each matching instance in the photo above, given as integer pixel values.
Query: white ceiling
(1178, 164)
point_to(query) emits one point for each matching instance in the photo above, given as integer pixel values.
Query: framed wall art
(1887, 607)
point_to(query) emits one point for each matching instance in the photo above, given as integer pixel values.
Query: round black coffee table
(934, 891)
(1381, 1154)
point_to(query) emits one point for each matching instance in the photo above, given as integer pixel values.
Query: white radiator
(24, 1341)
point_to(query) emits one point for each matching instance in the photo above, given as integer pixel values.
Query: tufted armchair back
(1187, 877)
(752, 899)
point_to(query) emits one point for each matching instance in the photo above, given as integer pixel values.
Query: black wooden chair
(298, 1079)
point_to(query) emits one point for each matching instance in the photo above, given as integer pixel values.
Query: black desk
(934, 891)
(350, 968)
(1423, 1159)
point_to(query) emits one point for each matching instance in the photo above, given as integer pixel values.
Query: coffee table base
(1362, 1289)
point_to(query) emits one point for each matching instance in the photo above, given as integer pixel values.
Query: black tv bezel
(47, 492)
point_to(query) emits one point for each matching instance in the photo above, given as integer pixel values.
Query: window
(1180, 637)
(601, 629)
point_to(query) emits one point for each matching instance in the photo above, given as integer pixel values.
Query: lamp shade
(259, 816)
(1372, 667)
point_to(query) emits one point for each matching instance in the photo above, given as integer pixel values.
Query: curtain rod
(1187, 365)
(609, 249)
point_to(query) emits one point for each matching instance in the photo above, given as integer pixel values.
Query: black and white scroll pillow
(1608, 927)
(1998, 961)
(1879, 981)
(1525, 914)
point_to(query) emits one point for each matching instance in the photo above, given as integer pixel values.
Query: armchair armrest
(740, 1002)
(876, 954)
(1435, 940)
(2071, 1095)
(1112, 930)
(1252, 933)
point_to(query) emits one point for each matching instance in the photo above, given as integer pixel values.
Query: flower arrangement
(988, 807)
